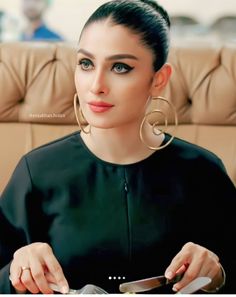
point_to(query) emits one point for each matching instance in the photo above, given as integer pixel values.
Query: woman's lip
(100, 106)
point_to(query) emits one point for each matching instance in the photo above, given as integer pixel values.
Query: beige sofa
(37, 90)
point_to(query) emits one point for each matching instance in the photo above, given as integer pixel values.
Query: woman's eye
(121, 68)
(86, 64)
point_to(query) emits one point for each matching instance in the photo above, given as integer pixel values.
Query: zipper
(126, 190)
(126, 186)
(125, 182)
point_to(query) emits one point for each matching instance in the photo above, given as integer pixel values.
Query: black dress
(110, 223)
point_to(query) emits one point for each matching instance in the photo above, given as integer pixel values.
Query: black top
(105, 220)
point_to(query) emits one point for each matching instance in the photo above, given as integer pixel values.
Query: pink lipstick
(99, 106)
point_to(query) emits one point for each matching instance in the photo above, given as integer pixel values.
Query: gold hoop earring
(80, 115)
(155, 123)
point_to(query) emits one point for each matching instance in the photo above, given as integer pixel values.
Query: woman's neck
(120, 145)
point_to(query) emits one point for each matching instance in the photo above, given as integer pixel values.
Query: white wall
(68, 16)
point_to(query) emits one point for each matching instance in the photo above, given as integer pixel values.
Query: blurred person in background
(36, 29)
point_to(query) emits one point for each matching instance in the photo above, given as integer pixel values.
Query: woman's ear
(160, 80)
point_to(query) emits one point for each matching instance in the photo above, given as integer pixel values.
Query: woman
(104, 205)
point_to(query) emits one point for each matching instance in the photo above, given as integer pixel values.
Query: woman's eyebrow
(113, 57)
(121, 56)
(86, 53)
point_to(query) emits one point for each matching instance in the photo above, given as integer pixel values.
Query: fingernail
(64, 290)
(174, 289)
(169, 274)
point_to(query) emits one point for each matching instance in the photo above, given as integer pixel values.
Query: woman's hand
(33, 266)
(196, 261)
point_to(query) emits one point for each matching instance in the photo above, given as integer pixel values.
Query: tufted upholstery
(37, 82)
(37, 89)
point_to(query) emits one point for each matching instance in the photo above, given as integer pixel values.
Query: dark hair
(143, 17)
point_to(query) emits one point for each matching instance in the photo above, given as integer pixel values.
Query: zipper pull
(126, 187)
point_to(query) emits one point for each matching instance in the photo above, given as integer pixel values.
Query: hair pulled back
(143, 17)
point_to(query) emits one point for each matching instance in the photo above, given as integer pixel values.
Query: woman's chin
(101, 126)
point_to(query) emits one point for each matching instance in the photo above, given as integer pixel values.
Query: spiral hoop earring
(80, 114)
(155, 124)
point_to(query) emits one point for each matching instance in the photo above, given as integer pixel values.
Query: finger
(191, 273)
(178, 265)
(184, 257)
(28, 282)
(39, 278)
(14, 277)
(55, 270)
(182, 269)
(50, 278)
(203, 261)
(51, 282)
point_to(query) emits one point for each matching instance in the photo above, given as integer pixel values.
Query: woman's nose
(99, 84)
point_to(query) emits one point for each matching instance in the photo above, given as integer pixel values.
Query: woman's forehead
(108, 37)
(106, 28)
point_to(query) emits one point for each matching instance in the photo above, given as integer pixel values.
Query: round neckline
(91, 154)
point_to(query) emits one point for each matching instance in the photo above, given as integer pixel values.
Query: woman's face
(114, 75)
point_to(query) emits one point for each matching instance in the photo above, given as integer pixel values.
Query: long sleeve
(14, 223)
(215, 216)
(225, 192)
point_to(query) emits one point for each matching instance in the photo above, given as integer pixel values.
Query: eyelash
(89, 63)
